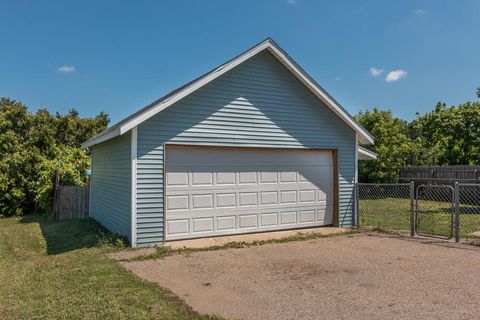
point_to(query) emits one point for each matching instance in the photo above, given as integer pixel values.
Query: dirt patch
(360, 277)
(131, 254)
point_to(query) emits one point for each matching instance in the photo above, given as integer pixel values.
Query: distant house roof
(167, 100)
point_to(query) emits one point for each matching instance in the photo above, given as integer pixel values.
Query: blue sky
(118, 56)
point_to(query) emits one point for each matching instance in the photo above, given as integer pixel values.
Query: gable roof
(167, 100)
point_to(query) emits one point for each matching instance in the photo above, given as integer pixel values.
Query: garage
(214, 191)
(253, 145)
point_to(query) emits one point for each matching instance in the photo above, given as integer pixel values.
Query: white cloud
(292, 2)
(396, 75)
(375, 71)
(420, 12)
(338, 78)
(66, 69)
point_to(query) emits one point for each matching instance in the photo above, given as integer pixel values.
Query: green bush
(34, 147)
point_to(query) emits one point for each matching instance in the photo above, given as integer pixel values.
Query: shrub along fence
(433, 210)
(71, 202)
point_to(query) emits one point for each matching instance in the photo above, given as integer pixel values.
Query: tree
(452, 134)
(30, 145)
(478, 92)
(15, 124)
(392, 145)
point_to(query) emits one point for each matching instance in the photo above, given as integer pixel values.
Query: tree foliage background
(31, 145)
(444, 136)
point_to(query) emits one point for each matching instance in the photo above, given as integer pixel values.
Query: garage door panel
(178, 227)
(325, 214)
(248, 208)
(248, 221)
(269, 219)
(177, 179)
(202, 201)
(269, 177)
(288, 217)
(202, 178)
(225, 178)
(288, 176)
(306, 216)
(225, 223)
(177, 202)
(268, 197)
(239, 188)
(247, 178)
(247, 199)
(226, 200)
(219, 191)
(202, 225)
(307, 196)
(288, 196)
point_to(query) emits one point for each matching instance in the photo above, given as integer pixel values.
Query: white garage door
(219, 191)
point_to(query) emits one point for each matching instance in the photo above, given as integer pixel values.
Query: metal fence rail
(429, 210)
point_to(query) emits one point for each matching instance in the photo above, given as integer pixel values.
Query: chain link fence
(435, 211)
(431, 210)
(468, 208)
(387, 207)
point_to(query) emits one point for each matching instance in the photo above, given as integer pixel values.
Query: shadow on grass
(68, 235)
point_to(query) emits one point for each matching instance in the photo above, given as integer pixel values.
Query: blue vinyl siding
(257, 104)
(111, 184)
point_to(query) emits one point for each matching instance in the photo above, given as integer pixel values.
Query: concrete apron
(249, 238)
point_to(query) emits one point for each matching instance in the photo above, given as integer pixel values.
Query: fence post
(357, 209)
(456, 201)
(412, 209)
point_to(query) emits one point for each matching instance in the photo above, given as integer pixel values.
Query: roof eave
(101, 138)
(365, 154)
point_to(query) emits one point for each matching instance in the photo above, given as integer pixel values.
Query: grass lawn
(58, 270)
(435, 217)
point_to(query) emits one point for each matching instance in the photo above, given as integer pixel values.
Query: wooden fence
(72, 202)
(440, 174)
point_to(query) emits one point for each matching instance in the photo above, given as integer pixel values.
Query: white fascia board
(195, 86)
(364, 154)
(356, 158)
(105, 137)
(133, 154)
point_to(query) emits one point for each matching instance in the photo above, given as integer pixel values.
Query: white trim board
(365, 154)
(125, 125)
(133, 223)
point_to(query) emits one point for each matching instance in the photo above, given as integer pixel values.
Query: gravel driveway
(346, 277)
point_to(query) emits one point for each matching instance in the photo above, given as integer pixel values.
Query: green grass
(59, 270)
(393, 214)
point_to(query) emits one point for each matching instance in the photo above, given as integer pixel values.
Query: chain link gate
(435, 211)
(386, 206)
(467, 209)
(440, 211)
